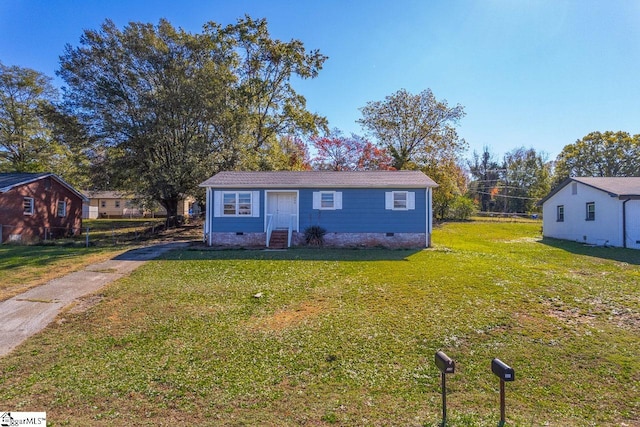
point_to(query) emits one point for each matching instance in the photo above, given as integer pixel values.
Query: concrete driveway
(30, 312)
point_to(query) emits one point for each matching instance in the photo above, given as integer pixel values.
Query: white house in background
(599, 211)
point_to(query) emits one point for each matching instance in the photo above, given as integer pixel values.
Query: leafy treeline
(156, 110)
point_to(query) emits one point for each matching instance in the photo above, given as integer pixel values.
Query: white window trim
(337, 200)
(218, 204)
(390, 197)
(31, 207)
(559, 218)
(61, 212)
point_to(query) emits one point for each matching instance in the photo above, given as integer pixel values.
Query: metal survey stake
(446, 366)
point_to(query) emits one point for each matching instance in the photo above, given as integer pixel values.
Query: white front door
(282, 206)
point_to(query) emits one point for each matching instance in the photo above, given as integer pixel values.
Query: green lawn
(347, 337)
(25, 266)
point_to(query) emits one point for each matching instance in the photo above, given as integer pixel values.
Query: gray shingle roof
(320, 179)
(621, 187)
(616, 186)
(107, 194)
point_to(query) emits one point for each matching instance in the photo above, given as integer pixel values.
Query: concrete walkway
(30, 312)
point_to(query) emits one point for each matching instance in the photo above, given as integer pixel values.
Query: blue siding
(239, 223)
(363, 211)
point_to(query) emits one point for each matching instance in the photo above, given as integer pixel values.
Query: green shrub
(462, 208)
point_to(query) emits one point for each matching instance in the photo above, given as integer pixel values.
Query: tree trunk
(171, 206)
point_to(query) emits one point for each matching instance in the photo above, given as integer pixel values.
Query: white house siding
(633, 224)
(605, 229)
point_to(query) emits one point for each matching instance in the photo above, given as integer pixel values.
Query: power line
(508, 197)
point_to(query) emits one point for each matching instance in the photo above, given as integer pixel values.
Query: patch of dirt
(190, 231)
(83, 304)
(621, 317)
(288, 318)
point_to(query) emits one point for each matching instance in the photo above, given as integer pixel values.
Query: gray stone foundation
(331, 240)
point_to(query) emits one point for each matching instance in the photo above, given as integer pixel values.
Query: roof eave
(294, 186)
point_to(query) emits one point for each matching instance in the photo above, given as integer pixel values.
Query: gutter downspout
(624, 223)
(429, 217)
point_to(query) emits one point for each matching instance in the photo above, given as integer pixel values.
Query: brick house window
(28, 206)
(62, 208)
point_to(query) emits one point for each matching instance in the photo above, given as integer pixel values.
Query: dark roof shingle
(13, 179)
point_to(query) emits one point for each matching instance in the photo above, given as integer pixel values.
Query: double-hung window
(27, 206)
(400, 200)
(62, 208)
(327, 200)
(236, 204)
(591, 211)
(560, 213)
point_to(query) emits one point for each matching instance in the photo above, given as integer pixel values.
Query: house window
(62, 208)
(591, 211)
(574, 188)
(400, 200)
(27, 206)
(560, 213)
(327, 200)
(117, 203)
(236, 204)
(103, 203)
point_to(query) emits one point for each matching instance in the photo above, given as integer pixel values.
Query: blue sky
(532, 73)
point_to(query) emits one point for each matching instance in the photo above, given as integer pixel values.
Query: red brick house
(37, 206)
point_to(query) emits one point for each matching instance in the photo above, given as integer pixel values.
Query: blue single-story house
(357, 209)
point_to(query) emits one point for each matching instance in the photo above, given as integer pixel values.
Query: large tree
(169, 108)
(342, 153)
(526, 179)
(600, 154)
(415, 128)
(25, 134)
(486, 173)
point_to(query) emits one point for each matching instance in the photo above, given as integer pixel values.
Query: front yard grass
(347, 337)
(25, 266)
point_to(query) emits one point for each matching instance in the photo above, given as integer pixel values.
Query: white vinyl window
(62, 208)
(236, 203)
(560, 213)
(400, 200)
(327, 200)
(27, 205)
